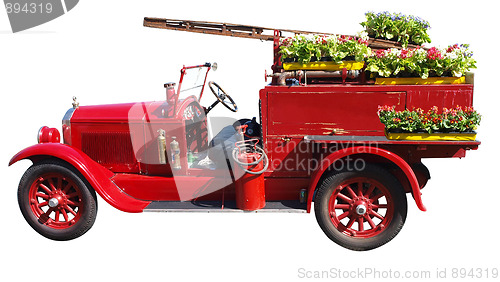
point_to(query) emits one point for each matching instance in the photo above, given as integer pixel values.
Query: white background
(101, 53)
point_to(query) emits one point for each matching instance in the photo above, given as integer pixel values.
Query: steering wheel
(221, 96)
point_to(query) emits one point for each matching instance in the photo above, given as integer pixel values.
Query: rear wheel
(361, 210)
(56, 202)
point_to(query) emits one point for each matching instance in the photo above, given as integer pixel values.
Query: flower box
(419, 81)
(307, 48)
(448, 124)
(453, 136)
(454, 61)
(326, 66)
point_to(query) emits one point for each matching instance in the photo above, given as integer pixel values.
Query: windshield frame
(183, 73)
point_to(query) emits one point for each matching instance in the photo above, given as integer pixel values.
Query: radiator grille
(109, 148)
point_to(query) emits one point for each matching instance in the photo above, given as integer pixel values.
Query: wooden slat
(225, 29)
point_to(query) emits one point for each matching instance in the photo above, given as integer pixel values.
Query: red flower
(434, 54)
(362, 41)
(405, 53)
(380, 53)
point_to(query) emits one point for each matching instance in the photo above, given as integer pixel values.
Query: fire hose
(250, 146)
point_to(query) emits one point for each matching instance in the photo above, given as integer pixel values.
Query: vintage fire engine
(318, 139)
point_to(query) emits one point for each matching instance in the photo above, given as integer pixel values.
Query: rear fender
(352, 151)
(94, 173)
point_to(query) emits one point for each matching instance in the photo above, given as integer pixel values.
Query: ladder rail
(247, 31)
(219, 28)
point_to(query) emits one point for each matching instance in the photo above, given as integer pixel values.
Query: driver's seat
(223, 143)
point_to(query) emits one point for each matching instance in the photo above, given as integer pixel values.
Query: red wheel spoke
(69, 196)
(42, 195)
(370, 221)
(66, 188)
(42, 204)
(360, 224)
(73, 203)
(344, 215)
(45, 188)
(376, 197)
(342, 206)
(59, 183)
(70, 210)
(369, 191)
(351, 192)
(360, 189)
(56, 218)
(51, 184)
(376, 214)
(65, 215)
(344, 197)
(351, 222)
(379, 206)
(44, 218)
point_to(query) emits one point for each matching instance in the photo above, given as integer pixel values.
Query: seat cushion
(224, 141)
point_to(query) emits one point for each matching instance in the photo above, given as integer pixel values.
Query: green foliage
(399, 27)
(455, 60)
(303, 48)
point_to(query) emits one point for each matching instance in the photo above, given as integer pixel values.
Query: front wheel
(361, 210)
(56, 202)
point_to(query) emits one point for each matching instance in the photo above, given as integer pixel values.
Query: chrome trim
(53, 202)
(38, 134)
(361, 209)
(75, 103)
(67, 121)
(68, 115)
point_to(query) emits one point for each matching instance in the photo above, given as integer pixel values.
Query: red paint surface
(250, 191)
(115, 146)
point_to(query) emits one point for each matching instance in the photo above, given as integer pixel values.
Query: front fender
(97, 175)
(400, 162)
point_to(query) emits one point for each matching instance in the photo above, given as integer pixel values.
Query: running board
(229, 206)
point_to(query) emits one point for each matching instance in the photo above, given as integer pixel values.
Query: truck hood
(114, 113)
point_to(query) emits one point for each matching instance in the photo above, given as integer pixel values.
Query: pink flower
(405, 53)
(380, 53)
(434, 54)
(362, 41)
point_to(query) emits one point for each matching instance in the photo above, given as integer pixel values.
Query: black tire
(369, 234)
(71, 214)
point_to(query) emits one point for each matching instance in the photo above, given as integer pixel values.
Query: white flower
(363, 35)
(452, 55)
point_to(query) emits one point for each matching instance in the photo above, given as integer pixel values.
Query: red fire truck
(317, 139)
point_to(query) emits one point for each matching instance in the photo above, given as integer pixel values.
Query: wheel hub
(57, 200)
(53, 202)
(361, 209)
(360, 206)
